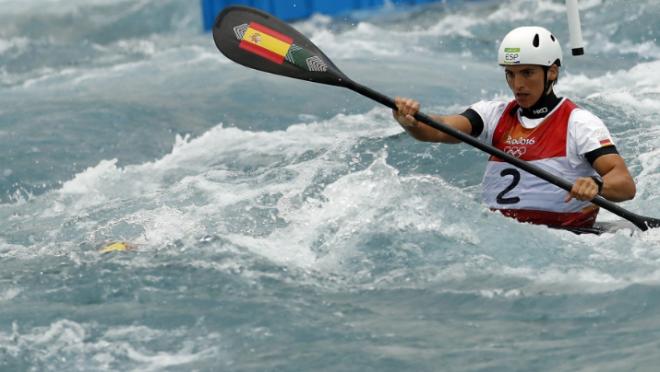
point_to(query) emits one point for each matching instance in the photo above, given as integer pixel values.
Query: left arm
(618, 184)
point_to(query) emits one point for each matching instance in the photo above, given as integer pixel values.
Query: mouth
(522, 95)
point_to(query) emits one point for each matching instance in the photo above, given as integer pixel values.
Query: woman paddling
(541, 128)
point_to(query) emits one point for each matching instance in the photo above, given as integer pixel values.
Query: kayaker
(541, 128)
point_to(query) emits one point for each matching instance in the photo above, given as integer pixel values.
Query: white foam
(48, 76)
(602, 44)
(171, 199)
(87, 189)
(323, 232)
(369, 39)
(60, 7)
(8, 250)
(346, 207)
(65, 344)
(634, 90)
(9, 294)
(523, 10)
(19, 43)
(649, 177)
(165, 224)
(454, 24)
(360, 44)
(155, 51)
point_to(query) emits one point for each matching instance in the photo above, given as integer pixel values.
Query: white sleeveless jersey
(556, 144)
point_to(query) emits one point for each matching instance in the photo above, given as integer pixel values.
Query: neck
(542, 107)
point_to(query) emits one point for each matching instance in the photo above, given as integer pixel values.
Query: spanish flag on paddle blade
(265, 42)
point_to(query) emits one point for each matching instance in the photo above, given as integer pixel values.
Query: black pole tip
(578, 51)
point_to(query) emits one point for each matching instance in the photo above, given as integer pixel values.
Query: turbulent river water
(283, 225)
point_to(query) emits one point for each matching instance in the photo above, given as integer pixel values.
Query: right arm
(404, 115)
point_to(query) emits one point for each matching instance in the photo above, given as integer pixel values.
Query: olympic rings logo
(515, 151)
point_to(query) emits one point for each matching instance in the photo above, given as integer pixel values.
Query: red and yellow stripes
(266, 43)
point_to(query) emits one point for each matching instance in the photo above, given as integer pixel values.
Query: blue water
(282, 225)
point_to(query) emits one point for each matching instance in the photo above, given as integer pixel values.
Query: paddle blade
(260, 41)
(653, 223)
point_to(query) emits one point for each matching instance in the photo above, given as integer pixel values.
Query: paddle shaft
(637, 220)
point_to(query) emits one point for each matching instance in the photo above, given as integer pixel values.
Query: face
(526, 82)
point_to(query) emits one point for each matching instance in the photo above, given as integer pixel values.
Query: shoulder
(583, 122)
(488, 106)
(584, 117)
(587, 131)
(490, 111)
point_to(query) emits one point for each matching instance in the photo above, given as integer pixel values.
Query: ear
(553, 73)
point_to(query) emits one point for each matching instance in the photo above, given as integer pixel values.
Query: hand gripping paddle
(260, 41)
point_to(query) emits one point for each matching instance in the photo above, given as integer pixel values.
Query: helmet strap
(547, 85)
(546, 103)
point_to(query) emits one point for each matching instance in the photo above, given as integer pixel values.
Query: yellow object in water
(116, 247)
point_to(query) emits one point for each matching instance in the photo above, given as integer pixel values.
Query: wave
(350, 197)
(304, 198)
(66, 344)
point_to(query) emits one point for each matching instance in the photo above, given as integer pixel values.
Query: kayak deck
(603, 227)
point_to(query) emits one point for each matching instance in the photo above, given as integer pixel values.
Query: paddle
(260, 41)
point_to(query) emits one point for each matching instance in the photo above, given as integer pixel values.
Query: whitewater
(283, 225)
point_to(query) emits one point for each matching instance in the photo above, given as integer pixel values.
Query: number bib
(522, 195)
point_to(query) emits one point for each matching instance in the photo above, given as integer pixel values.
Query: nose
(517, 82)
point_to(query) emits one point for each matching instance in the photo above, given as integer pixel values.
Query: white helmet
(529, 46)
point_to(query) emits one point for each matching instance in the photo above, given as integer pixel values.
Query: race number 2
(501, 197)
